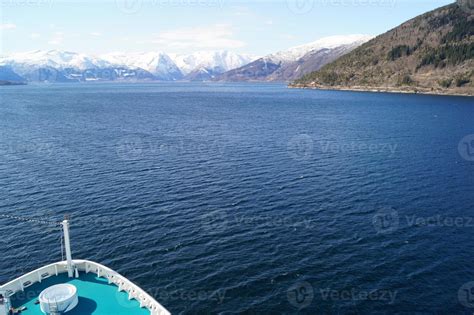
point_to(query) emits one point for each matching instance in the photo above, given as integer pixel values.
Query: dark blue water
(242, 198)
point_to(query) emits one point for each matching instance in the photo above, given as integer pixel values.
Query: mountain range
(431, 53)
(293, 63)
(63, 66)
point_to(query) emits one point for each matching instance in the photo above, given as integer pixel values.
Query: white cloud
(7, 26)
(56, 39)
(219, 36)
(35, 35)
(96, 34)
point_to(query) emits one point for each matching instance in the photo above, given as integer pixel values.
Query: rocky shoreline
(378, 89)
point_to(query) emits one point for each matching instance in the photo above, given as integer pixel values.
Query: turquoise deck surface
(96, 297)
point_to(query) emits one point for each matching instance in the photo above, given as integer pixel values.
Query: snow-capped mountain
(209, 63)
(66, 66)
(158, 64)
(293, 63)
(55, 59)
(331, 42)
(51, 66)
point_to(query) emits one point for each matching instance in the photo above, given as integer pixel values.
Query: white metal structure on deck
(72, 268)
(123, 284)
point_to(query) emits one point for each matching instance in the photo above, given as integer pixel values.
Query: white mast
(4, 303)
(67, 245)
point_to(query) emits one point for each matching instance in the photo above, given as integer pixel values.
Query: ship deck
(96, 296)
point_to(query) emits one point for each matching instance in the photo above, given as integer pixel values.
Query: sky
(257, 27)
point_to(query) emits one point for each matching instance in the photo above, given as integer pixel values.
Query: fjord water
(246, 198)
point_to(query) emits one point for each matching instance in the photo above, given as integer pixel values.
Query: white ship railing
(123, 284)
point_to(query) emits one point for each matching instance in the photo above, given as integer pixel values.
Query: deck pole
(67, 245)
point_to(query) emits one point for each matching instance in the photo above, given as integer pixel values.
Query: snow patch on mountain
(157, 63)
(212, 61)
(295, 53)
(54, 59)
(161, 65)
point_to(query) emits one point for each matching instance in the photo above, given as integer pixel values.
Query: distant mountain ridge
(206, 65)
(293, 63)
(431, 53)
(64, 66)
